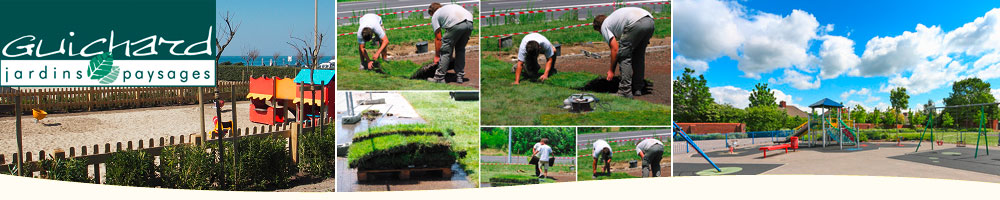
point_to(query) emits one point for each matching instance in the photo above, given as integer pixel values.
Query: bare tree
(307, 53)
(274, 58)
(224, 35)
(251, 55)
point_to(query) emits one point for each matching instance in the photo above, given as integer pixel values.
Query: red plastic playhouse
(273, 99)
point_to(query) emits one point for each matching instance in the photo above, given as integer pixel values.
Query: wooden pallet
(404, 174)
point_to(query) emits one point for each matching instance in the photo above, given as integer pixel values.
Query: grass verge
(460, 117)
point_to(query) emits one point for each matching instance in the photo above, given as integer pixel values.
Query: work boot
(460, 80)
(435, 80)
(637, 93)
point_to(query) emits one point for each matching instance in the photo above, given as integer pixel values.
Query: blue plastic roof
(826, 103)
(321, 76)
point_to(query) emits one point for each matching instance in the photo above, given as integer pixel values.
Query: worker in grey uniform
(650, 151)
(452, 28)
(370, 29)
(532, 45)
(602, 153)
(627, 32)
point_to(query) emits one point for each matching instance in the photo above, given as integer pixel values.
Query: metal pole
(17, 126)
(510, 132)
(201, 115)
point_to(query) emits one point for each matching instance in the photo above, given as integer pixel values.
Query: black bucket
(421, 47)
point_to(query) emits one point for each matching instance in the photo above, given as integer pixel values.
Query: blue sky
(849, 51)
(266, 24)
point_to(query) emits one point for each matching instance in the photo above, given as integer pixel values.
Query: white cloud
(927, 76)
(760, 42)
(740, 98)
(699, 67)
(891, 55)
(872, 99)
(861, 92)
(996, 93)
(797, 80)
(774, 42)
(710, 29)
(737, 97)
(976, 37)
(837, 56)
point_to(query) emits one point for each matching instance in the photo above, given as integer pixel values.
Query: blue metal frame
(678, 130)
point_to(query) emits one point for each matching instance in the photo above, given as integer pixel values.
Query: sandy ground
(867, 163)
(90, 128)
(301, 184)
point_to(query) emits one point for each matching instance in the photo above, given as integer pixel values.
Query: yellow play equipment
(38, 114)
(221, 128)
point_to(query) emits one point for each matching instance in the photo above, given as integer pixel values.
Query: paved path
(866, 163)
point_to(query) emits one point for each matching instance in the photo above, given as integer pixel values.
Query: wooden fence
(97, 155)
(82, 99)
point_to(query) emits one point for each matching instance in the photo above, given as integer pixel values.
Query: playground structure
(272, 98)
(828, 126)
(678, 130)
(981, 134)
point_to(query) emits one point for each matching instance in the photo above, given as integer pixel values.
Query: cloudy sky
(850, 51)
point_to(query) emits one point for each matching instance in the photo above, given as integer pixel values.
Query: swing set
(981, 134)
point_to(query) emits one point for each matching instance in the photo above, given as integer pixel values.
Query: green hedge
(561, 139)
(242, 73)
(260, 163)
(130, 168)
(188, 167)
(317, 154)
(71, 169)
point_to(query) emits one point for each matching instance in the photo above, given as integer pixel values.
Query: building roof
(826, 103)
(793, 111)
(321, 76)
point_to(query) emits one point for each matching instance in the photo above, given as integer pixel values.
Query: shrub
(561, 139)
(187, 167)
(317, 154)
(494, 138)
(130, 168)
(62, 169)
(260, 163)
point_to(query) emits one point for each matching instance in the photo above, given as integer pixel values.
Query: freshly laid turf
(533, 103)
(461, 118)
(515, 179)
(399, 129)
(586, 163)
(577, 35)
(490, 171)
(397, 72)
(399, 152)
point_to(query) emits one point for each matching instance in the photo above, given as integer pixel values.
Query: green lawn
(351, 78)
(595, 130)
(534, 103)
(568, 36)
(462, 117)
(497, 170)
(586, 163)
(947, 137)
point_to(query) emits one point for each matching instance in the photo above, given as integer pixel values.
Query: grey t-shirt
(599, 145)
(614, 25)
(646, 144)
(372, 21)
(449, 15)
(547, 47)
